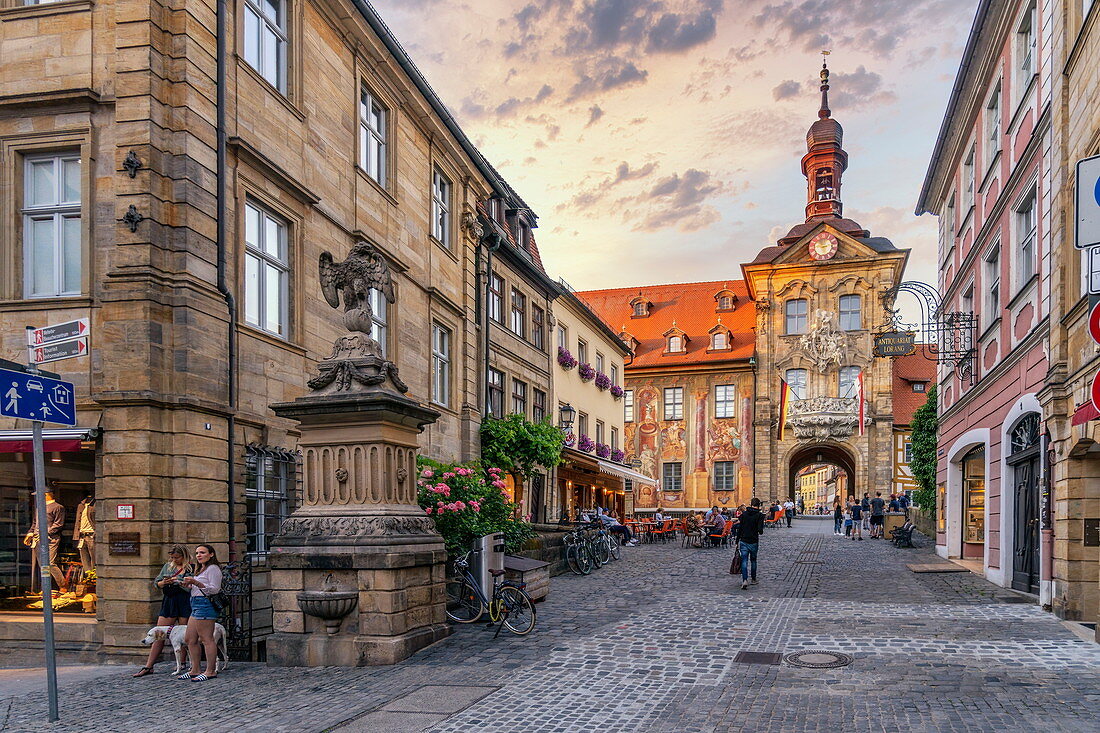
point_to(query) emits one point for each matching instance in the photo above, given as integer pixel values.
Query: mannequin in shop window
(84, 532)
(55, 520)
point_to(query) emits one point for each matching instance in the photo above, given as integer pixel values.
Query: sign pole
(44, 566)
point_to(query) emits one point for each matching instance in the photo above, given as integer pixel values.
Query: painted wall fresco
(697, 441)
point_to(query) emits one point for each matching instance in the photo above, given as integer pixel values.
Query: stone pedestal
(359, 529)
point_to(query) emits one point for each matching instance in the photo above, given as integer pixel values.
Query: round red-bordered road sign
(1096, 391)
(1094, 322)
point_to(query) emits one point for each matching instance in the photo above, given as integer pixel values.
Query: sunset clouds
(654, 137)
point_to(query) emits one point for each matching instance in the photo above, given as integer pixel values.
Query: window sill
(17, 12)
(449, 251)
(262, 335)
(989, 173)
(271, 88)
(46, 303)
(444, 408)
(991, 329)
(375, 185)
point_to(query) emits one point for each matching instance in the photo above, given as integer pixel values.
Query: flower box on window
(602, 381)
(617, 392)
(587, 372)
(603, 450)
(586, 444)
(565, 359)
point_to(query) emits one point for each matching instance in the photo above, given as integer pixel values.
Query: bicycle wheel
(519, 611)
(614, 547)
(463, 604)
(594, 553)
(572, 559)
(603, 549)
(585, 560)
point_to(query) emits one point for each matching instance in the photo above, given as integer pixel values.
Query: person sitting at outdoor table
(717, 526)
(693, 527)
(614, 527)
(659, 515)
(709, 516)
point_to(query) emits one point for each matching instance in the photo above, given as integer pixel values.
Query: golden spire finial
(824, 111)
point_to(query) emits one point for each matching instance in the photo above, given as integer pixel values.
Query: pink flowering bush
(603, 450)
(565, 359)
(617, 392)
(586, 444)
(602, 381)
(618, 455)
(467, 501)
(587, 372)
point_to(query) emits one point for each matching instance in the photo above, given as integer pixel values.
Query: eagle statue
(364, 270)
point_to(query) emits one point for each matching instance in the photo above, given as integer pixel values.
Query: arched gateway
(819, 454)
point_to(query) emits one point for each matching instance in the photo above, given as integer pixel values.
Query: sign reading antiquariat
(895, 343)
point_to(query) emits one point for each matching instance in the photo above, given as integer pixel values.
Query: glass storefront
(973, 495)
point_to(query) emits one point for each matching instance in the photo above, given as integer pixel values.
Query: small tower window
(824, 188)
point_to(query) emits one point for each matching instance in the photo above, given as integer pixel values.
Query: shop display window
(973, 472)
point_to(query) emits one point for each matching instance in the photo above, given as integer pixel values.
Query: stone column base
(344, 650)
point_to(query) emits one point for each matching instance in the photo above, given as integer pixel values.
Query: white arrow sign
(57, 332)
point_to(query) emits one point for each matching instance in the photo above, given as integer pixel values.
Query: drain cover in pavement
(758, 657)
(818, 659)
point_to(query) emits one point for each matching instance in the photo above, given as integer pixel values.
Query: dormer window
(639, 306)
(726, 299)
(719, 341)
(675, 340)
(675, 344)
(725, 303)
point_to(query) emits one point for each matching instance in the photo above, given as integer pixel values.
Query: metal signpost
(1086, 203)
(30, 395)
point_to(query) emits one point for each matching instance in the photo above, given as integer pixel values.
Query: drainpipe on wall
(223, 287)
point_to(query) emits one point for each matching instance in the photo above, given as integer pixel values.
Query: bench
(903, 536)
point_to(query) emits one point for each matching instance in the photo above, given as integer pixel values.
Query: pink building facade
(989, 182)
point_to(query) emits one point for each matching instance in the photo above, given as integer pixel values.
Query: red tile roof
(692, 308)
(907, 370)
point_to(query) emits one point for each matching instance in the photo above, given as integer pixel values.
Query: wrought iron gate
(237, 616)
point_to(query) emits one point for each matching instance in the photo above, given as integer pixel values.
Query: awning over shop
(1085, 413)
(63, 440)
(623, 472)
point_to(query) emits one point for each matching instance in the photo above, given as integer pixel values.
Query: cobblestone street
(648, 643)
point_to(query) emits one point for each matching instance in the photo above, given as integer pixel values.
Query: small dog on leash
(174, 636)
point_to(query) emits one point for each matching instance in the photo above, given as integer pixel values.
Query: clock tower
(825, 161)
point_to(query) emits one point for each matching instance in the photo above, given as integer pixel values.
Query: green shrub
(925, 426)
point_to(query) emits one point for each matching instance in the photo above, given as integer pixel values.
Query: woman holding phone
(175, 609)
(206, 581)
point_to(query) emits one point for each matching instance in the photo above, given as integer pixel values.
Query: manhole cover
(758, 657)
(818, 659)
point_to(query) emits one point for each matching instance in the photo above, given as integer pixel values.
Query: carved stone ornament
(824, 418)
(824, 345)
(356, 529)
(471, 225)
(132, 164)
(342, 475)
(132, 218)
(356, 360)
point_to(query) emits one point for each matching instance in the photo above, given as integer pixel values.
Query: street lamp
(566, 415)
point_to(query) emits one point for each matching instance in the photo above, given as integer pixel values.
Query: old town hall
(712, 361)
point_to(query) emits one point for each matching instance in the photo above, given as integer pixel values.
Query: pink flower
(460, 505)
(463, 471)
(448, 475)
(427, 473)
(504, 494)
(428, 510)
(476, 506)
(499, 485)
(439, 503)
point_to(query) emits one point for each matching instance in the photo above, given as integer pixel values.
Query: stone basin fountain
(328, 604)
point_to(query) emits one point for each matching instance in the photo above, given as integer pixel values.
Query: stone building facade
(203, 298)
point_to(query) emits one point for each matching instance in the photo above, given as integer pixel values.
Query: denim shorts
(202, 609)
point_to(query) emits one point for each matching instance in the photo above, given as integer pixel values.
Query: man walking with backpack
(750, 528)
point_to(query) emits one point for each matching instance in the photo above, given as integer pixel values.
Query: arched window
(1025, 434)
(639, 308)
(719, 341)
(675, 343)
(796, 380)
(725, 303)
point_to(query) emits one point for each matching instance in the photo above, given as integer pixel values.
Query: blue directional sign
(34, 397)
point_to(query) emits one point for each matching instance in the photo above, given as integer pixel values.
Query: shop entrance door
(1024, 465)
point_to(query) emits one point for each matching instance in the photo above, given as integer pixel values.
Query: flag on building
(785, 396)
(862, 410)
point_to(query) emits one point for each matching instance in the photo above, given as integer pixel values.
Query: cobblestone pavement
(648, 644)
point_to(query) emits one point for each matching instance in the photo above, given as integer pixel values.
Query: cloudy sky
(659, 140)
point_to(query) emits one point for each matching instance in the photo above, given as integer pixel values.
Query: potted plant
(586, 444)
(587, 372)
(618, 456)
(565, 359)
(617, 392)
(603, 450)
(602, 381)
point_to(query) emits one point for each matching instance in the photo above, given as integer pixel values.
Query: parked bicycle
(589, 546)
(510, 606)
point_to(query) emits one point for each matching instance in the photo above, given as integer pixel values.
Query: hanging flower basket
(586, 444)
(565, 359)
(617, 392)
(602, 381)
(569, 439)
(587, 372)
(603, 450)
(618, 456)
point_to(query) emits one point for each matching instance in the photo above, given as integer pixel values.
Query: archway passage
(823, 454)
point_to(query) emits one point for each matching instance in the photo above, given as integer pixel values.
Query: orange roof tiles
(691, 308)
(907, 370)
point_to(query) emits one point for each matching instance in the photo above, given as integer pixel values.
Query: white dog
(174, 635)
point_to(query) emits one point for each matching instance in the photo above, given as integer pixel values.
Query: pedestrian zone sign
(34, 397)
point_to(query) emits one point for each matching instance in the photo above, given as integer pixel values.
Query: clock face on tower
(823, 246)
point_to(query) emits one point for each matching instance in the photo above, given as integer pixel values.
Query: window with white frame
(441, 209)
(519, 397)
(441, 365)
(496, 298)
(674, 403)
(372, 136)
(725, 400)
(1025, 50)
(851, 317)
(675, 344)
(269, 479)
(966, 301)
(992, 267)
(725, 303)
(614, 438)
(797, 313)
(599, 362)
(848, 379)
(563, 338)
(265, 39)
(51, 225)
(796, 380)
(1025, 236)
(639, 308)
(266, 270)
(379, 328)
(993, 126)
(725, 475)
(599, 431)
(582, 423)
(538, 328)
(582, 351)
(968, 181)
(628, 406)
(908, 451)
(519, 313)
(614, 374)
(672, 477)
(948, 226)
(538, 405)
(719, 341)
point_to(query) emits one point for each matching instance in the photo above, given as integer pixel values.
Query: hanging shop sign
(1086, 203)
(895, 343)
